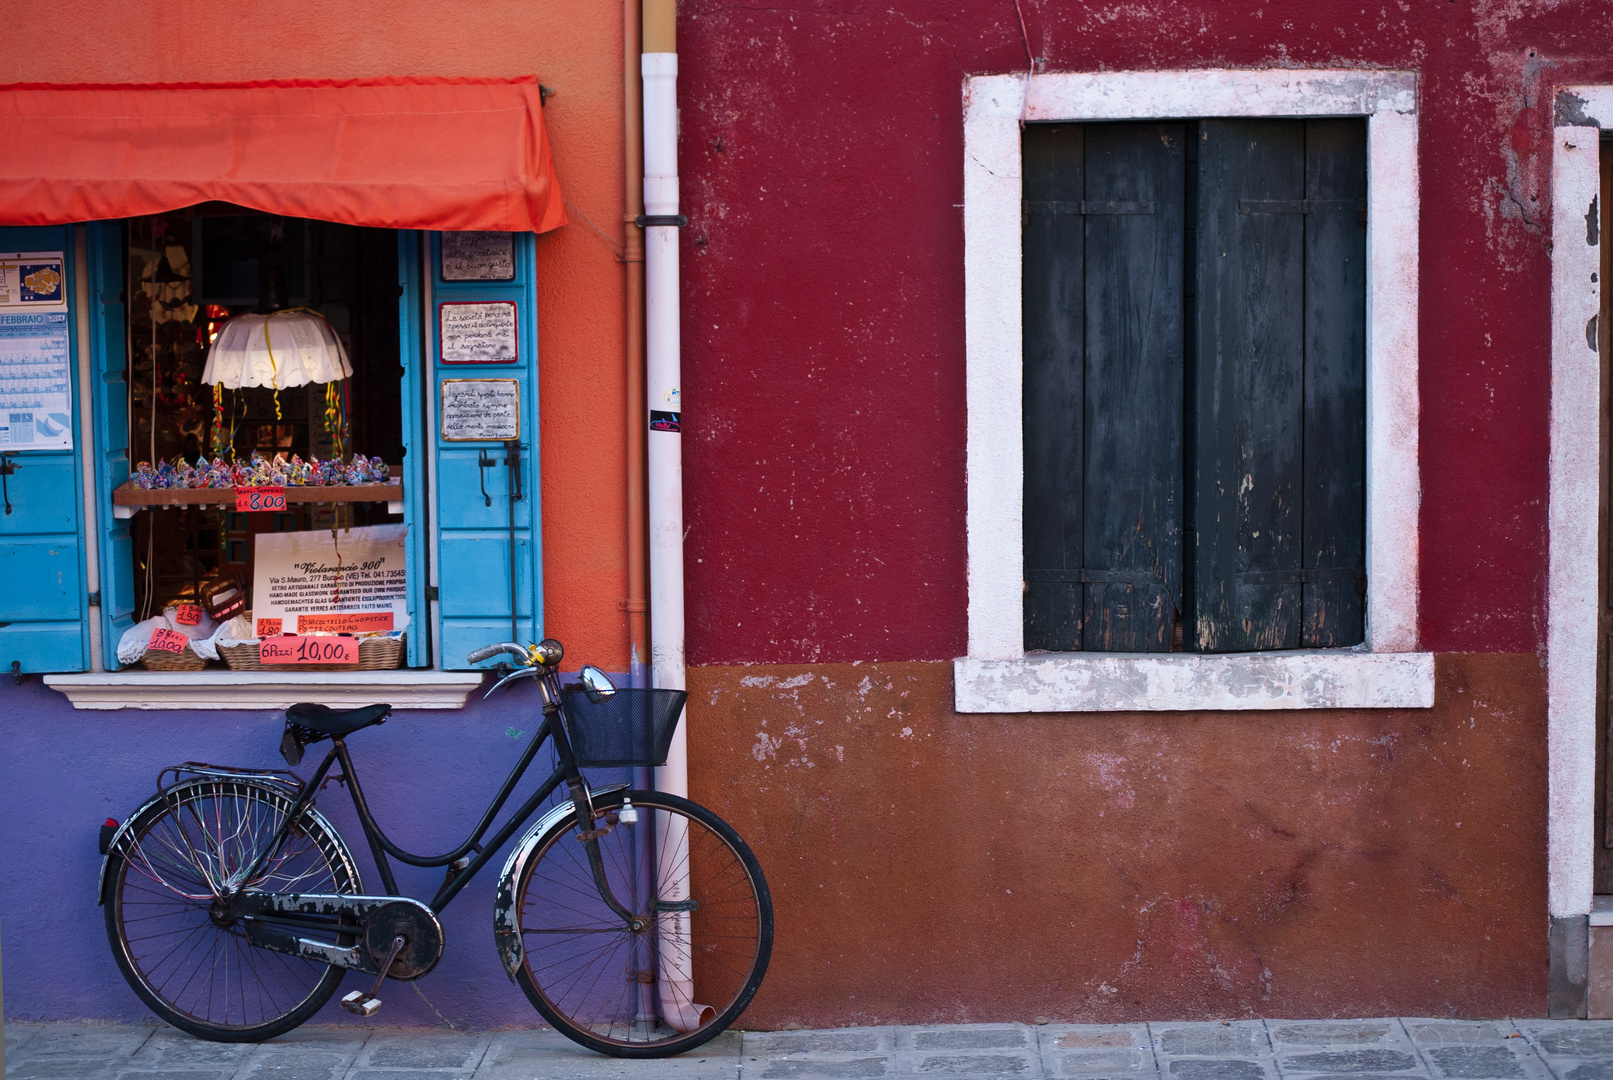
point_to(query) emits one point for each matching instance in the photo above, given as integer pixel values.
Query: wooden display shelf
(125, 495)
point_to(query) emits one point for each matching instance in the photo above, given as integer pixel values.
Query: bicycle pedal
(361, 1004)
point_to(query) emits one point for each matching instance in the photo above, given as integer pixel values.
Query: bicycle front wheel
(190, 963)
(686, 961)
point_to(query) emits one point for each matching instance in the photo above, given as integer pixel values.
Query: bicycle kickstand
(361, 1004)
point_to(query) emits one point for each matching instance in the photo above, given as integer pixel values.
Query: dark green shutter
(1103, 385)
(1278, 454)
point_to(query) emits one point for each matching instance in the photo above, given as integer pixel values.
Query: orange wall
(577, 50)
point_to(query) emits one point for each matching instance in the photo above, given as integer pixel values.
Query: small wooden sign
(165, 640)
(292, 649)
(482, 332)
(259, 498)
(478, 256)
(480, 410)
(345, 622)
(188, 615)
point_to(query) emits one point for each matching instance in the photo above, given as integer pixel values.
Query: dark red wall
(823, 328)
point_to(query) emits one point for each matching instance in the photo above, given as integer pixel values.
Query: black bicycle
(638, 923)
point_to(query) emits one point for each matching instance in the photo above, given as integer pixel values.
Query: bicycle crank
(361, 1004)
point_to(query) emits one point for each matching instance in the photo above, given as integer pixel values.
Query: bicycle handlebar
(476, 656)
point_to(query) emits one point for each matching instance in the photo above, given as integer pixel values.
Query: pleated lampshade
(279, 350)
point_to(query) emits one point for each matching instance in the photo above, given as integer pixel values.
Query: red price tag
(292, 649)
(268, 627)
(259, 498)
(188, 615)
(344, 623)
(165, 640)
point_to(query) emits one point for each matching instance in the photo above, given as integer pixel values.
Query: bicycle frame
(566, 770)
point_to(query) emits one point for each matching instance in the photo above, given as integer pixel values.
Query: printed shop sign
(342, 581)
(36, 392)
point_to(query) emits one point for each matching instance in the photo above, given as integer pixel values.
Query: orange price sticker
(292, 649)
(165, 640)
(188, 614)
(259, 498)
(268, 627)
(344, 622)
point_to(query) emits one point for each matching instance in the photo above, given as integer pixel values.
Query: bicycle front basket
(631, 727)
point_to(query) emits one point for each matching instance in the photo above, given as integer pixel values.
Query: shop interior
(188, 273)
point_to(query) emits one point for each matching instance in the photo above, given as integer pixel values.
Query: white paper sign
(480, 410)
(478, 256)
(315, 574)
(36, 403)
(32, 281)
(477, 333)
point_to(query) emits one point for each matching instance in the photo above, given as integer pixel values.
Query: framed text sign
(478, 256)
(480, 410)
(477, 332)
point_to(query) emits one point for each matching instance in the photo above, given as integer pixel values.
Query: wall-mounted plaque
(478, 256)
(480, 410)
(477, 333)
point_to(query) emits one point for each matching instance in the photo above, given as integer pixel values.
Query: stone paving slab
(1387, 1048)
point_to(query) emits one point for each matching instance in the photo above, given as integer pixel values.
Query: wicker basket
(374, 654)
(185, 660)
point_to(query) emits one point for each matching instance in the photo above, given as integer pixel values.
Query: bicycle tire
(610, 988)
(159, 888)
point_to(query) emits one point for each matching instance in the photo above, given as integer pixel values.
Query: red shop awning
(458, 154)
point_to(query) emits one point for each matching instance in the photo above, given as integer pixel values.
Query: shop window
(1195, 385)
(115, 364)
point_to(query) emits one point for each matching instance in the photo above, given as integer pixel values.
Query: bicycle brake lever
(518, 673)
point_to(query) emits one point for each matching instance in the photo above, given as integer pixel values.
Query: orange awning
(458, 154)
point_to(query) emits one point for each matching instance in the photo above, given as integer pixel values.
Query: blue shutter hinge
(16, 673)
(431, 594)
(7, 467)
(95, 599)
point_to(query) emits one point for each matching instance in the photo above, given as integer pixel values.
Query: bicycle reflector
(108, 831)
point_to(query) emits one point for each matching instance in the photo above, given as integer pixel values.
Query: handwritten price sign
(293, 649)
(259, 498)
(165, 640)
(344, 622)
(188, 615)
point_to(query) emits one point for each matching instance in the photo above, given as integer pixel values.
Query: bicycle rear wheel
(688, 964)
(194, 967)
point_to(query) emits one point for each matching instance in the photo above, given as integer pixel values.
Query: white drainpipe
(663, 392)
(663, 384)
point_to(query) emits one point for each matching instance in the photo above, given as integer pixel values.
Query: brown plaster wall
(928, 866)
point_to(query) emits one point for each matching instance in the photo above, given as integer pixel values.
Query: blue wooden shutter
(44, 608)
(110, 397)
(472, 537)
(411, 353)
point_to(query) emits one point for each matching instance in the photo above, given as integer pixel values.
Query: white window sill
(1160, 682)
(401, 687)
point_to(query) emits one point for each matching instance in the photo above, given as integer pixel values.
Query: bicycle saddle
(324, 720)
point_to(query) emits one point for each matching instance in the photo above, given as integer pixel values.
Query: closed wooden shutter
(1103, 385)
(1278, 452)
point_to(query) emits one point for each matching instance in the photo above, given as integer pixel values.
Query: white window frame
(1582, 113)
(997, 675)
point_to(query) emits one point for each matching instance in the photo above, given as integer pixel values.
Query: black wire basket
(631, 727)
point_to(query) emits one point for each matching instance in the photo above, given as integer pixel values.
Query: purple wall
(64, 772)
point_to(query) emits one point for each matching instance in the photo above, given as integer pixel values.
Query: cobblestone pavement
(1239, 1050)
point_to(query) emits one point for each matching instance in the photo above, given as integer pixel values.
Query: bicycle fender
(116, 846)
(506, 926)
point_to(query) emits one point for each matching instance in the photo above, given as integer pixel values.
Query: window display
(263, 400)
